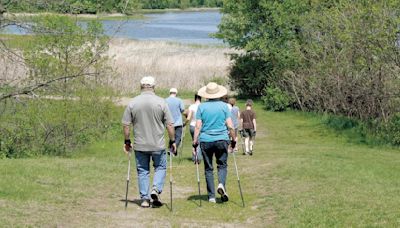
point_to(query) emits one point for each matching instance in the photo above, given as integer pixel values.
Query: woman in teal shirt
(213, 131)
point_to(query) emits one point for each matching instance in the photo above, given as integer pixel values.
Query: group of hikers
(214, 127)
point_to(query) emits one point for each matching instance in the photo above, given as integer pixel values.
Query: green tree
(61, 109)
(267, 30)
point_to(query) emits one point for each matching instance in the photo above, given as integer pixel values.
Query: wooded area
(337, 57)
(102, 6)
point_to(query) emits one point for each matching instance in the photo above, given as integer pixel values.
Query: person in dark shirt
(249, 127)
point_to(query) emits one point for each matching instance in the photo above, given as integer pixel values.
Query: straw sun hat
(212, 91)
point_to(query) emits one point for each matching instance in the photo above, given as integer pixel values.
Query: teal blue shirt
(213, 115)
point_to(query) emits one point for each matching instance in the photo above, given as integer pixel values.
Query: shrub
(275, 99)
(391, 131)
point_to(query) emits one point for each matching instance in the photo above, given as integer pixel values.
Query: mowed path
(301, 174)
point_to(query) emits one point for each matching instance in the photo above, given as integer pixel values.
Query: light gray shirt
(149, 115)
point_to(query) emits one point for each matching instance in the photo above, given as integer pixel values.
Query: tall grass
(173, 65)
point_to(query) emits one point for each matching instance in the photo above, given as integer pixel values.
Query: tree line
(103, 6)
(338, 57)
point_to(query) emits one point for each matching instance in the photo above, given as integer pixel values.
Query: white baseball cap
(148, 80)
(173, 90)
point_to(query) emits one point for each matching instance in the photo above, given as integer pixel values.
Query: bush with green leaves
(63, 101)
(275, 99)
(391, 130)
(337, 57)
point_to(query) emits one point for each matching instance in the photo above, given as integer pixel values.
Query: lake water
(183, 27)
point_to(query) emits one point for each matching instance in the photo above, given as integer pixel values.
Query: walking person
(249, 127)
(149, 116)
(192, 118)
(235, 111)
(176, 108)
(213, 122)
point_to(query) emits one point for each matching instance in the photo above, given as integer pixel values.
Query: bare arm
(171, 131)
(126, 131)
(231, 130)
(189, 116)
(255, 124)
(197, 129)
(127, 145)
(171, 135)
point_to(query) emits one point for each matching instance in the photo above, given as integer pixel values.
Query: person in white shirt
(192, 118)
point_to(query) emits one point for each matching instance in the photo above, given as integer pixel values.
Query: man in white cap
(176, 107)
(149, 115)
(213, 123)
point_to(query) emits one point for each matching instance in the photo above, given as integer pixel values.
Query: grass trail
(301, 174)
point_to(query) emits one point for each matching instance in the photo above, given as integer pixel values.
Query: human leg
(246, 134)
(160, 168)
(207, 151)
(252, 137)
(178, 135)
(221, 155)
(143, 172)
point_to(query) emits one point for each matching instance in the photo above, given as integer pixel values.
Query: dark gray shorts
(249, 133)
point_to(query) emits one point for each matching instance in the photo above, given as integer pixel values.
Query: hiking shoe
(145, 203)
(212, 200)
(156, 198)
(222, 192)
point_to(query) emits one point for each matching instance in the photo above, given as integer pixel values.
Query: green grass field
(302, 174)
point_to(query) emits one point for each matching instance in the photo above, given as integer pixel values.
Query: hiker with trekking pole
(249, 127)
(213, 122)
(148, 114)
(176, 107)
(196, 155)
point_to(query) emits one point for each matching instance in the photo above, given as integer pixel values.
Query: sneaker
(222, 192)
(212, 200)
(145, 203)
(156, 198)
(251, 152)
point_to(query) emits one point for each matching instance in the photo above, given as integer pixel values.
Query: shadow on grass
(139, 201)
(196, 199)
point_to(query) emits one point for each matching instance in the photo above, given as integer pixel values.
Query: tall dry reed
(173, 65)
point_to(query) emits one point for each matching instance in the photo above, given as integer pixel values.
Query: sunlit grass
(301, 174)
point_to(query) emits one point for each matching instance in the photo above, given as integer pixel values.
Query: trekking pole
(237, 174)
(170, 179)
(127, 179)
(198, 176)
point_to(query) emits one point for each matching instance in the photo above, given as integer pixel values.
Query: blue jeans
(178, 135)
(143, 171)
(220, 149)
(199, 156)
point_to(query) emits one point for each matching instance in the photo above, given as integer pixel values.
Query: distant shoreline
(139, 14)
